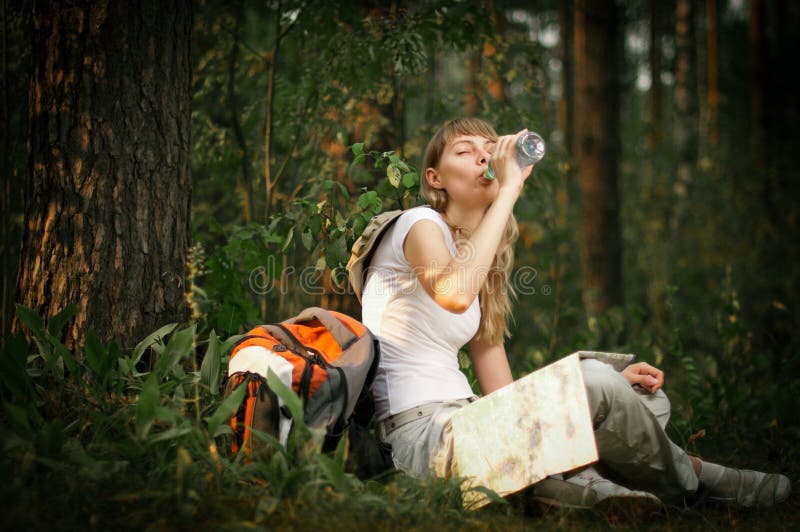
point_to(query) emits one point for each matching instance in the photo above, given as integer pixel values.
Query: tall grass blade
(210, 369)
(225, 410)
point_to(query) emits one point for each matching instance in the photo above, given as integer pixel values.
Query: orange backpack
(328, 359)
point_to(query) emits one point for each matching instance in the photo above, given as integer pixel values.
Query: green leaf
(287, 395)
(288, 240)
(308, 239)
(358, 149)
(13, 374)
(343, 190)
(359, 224)
(410, 179)
(492, 495)
(99, 358)
(149, 400)
(341, 223)
(367, 198)
(171, 434)
(152, 338)
(51, 438)
(336, 252)
(341, 451)
(394, 175)
(65, 355)
(57, 322)
(19, 416)
(179, 346)
(210, 367)
(30, 319)
(315, 224)
(334, 471)
(228, 344)
(226, 409)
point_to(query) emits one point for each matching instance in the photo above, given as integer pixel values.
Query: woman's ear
(432, 176)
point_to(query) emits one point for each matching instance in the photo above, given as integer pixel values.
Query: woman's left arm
(491, 365)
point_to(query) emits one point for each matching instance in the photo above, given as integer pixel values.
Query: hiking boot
(743, 487)
(589, 490)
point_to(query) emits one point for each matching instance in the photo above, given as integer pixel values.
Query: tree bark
(244, 181)
(566, 108)
(713, 72)
(5, 179)
(656, 132)
(109, 189)
(597, 58)
(686, 122)
(757, 59)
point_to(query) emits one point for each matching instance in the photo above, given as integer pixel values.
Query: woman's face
(461, 171)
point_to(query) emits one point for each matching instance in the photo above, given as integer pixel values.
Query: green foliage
(94, 442)
(133, 439)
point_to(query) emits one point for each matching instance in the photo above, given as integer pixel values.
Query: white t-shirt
(419, 339)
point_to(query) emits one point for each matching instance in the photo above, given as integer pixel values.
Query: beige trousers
(629, 433)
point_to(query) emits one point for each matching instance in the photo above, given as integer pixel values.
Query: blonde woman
(440, 279)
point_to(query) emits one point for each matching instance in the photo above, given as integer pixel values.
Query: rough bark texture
(108, 191)
(597, 48)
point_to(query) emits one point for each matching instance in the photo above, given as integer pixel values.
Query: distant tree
(654, 95)
(566, 105)
(15, 68)
(712, 32)
(597, 60)
(686, 120)
(108, 188)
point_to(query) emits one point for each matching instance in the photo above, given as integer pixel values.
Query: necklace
(459, 233)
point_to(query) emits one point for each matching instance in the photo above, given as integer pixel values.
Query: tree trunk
(244, 181)
(473, 88)
(566, 109)
(758, 63)
(597, 49)
(5, 183)
(109, 189)
(656, 132)
(685, 111)
(713, 72)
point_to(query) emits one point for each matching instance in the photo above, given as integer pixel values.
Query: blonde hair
(496, 294)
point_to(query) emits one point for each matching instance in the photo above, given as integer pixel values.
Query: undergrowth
(105, 440)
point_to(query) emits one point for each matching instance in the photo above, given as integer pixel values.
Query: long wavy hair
(497, 292)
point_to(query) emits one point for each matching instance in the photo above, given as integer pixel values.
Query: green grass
(102, 440)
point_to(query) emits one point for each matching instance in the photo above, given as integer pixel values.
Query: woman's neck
(465, 220)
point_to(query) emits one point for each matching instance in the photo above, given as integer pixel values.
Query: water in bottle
(529, 150)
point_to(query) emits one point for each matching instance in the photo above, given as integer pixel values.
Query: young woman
(440, 279)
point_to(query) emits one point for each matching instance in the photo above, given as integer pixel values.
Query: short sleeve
(407, 220)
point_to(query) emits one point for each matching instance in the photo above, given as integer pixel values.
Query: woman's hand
(504, 162)
(645, 375)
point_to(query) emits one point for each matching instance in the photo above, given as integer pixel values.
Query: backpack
(365, 246)
(326, 357)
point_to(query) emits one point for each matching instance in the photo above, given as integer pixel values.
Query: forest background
(175, 175)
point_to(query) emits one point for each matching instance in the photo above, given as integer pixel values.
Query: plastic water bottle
(529, 150)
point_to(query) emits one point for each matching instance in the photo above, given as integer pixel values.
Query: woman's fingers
(645, 375)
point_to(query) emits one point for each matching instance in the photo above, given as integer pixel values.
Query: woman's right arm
(455, 281)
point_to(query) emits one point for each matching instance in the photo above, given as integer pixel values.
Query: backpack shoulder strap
(365, 246)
